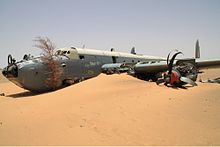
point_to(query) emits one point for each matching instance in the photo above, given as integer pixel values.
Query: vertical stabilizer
(197, 50)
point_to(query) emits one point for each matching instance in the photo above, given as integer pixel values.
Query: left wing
(201, 64)
(173, 72)
(176, 72)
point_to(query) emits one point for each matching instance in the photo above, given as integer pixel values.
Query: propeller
(170, 65)
(12, 69)
(178, 75)
(188, 81)
(168, 57)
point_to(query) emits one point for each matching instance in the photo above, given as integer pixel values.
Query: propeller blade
(170, 65)
(188, 81)
(168, 57)
(159, 81)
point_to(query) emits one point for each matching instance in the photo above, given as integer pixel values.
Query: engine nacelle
(114, 68)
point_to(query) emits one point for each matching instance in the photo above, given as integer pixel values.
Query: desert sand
(112, 110)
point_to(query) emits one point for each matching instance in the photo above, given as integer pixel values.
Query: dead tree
(47, 56)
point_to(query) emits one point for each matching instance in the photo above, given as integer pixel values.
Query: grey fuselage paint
(85, 64)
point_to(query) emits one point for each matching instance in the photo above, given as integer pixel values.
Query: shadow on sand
(29, 93)
(185, 87)
(23, 94)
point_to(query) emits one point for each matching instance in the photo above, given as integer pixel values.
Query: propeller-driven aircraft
(78, 64)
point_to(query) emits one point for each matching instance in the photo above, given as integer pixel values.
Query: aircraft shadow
(23, 94)
(185, 87)
(178, 87)
(29, 93)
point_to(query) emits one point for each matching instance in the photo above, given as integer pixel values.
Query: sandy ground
(112, 110)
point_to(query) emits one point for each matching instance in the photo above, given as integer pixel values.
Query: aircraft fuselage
(77, 64)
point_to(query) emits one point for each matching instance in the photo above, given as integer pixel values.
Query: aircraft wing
(179, 71)
(201, 64)
(141, 68)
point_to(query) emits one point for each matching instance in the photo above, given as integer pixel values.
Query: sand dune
(112, 110)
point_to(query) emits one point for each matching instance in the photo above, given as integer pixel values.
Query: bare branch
(54, 70)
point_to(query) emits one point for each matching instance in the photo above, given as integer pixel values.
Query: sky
(154, 27)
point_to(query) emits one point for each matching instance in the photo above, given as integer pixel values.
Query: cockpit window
(58, 52)
(71, 53)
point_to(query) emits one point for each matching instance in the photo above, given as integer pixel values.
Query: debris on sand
(2, 94)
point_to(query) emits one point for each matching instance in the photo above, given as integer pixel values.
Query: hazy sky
(154, 27)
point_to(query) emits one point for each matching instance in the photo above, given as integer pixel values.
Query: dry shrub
(54, 70)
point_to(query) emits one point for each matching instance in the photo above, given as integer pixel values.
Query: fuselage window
(81, 57)
(68, 52)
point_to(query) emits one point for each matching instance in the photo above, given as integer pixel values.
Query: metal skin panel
(77, 65)
(150, 67)
(208, 63)
(80, 64)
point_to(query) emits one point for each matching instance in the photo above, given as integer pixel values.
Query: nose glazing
(4, 71)
(10, 71)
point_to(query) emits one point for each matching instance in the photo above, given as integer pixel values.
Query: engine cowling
(179, 74)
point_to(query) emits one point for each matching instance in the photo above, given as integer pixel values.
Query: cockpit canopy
(69, 52)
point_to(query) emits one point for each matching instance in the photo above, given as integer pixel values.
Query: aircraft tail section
(197, 50)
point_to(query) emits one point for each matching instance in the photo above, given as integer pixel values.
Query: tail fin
(197, 50)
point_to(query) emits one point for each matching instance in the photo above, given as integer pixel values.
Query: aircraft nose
(4, 71)
(10, 71)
